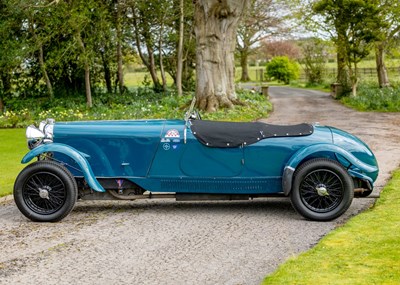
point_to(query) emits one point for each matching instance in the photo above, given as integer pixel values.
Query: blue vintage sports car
(320, 168)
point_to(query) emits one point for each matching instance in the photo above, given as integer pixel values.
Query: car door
(179, 154)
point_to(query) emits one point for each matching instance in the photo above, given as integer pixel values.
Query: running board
(186, 196)
(177, 196)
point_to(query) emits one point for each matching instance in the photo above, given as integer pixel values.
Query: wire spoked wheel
(45, 191)
(322, 190)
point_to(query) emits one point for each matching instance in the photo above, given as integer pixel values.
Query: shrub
(283, 69)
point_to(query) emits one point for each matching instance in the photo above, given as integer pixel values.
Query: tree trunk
(87, 85)
(354, 85)
(160, 42)
(342, 69)
(6, 82)
(44, 72)
(150, 63)
(243, 63)
(87, 71)
(152, 67)
(107, 72)
(353, 78)
(41, 60)
(383, 77)
(215, 28)
(120, 73)
(180, 51)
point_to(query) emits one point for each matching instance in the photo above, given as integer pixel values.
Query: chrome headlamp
(37, 136)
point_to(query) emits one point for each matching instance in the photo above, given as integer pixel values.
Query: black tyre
(45, 191)
(322, 190)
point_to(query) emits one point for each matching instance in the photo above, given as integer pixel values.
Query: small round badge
(166, 146)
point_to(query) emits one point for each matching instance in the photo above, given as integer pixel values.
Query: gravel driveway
(168, 242)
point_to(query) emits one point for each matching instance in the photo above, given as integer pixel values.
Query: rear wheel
(322, 190)
(45, 191)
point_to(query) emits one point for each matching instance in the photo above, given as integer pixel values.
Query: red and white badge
(173, 133)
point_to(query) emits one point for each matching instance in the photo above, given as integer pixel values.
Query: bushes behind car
(139, 103)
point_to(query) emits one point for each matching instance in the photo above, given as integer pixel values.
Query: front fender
(72, 153)
(339, 152)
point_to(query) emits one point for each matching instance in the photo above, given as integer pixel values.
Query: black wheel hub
(321, 190)
(44, 193)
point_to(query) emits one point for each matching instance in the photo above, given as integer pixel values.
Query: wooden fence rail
(330, 73)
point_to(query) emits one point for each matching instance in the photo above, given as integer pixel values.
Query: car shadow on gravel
(269, 206)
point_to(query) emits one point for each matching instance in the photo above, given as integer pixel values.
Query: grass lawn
(135, 79)
(366, 250)
(12, 148)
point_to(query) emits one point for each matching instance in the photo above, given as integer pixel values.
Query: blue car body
(164, 156)
(141, 152)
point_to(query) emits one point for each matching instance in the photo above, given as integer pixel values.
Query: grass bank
(372, 98)
(366, 250)
(12, 148)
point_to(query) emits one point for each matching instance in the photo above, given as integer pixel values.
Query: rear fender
(340, 154)
(77, 156)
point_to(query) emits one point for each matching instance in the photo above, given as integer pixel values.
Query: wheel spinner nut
(43, 193)
(321, 190)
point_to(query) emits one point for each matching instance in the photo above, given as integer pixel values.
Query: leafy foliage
(138, 104)
(283, 69)
(356, 27)
(50, 47)
(314, 55)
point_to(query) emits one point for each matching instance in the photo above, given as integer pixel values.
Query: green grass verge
(12, 148)
(372, 98)
(366, 250)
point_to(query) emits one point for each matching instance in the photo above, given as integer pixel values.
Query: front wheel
(322, 190)
(45, 191)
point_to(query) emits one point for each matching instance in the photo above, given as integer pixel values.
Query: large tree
(216, 24)
(391, 12)
(179, 47)
(150, 27)
(356, 24)
(263, 18)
